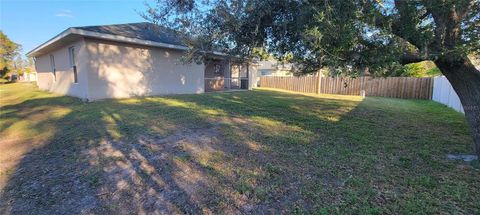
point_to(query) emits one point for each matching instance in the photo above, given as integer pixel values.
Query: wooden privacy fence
(395, 87)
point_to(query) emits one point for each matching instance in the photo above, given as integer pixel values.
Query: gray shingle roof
(141, 30)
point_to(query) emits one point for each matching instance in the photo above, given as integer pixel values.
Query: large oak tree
(348, 36)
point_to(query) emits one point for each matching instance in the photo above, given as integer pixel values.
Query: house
(272, 68)
(28, 77)
(125, 60)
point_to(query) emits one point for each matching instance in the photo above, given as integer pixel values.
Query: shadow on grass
(244, 152)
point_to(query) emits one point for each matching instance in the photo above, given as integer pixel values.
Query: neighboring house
(273, 68)
(28, 77)
(125, 60)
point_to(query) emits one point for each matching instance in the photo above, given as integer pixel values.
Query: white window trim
(73, 63)
(53, 67)
(71, 55)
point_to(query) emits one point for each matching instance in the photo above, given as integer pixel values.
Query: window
(217, 70)
(263, 72)
(52, 64)
(71, 57)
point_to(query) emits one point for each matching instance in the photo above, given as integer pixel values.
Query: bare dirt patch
(191, 171)
(155, 174)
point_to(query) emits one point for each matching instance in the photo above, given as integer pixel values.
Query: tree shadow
(64, 174)
(244, 152)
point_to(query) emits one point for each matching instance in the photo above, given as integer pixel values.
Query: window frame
(264, 72)
(53, 67)
(217, 69)
(73, 63)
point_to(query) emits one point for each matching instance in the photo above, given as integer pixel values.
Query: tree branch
(398, 28)
(411, 57)
(387, 23)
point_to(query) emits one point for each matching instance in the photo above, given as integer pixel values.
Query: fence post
(397, 87)
(319, 81)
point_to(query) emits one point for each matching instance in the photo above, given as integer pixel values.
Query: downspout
(230, 74)
(249, 87)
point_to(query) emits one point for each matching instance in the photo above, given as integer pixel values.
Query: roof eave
(50, 41)
(104, 36)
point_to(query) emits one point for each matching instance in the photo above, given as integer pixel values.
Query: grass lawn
(259, 151)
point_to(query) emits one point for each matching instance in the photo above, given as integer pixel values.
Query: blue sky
(30, 22)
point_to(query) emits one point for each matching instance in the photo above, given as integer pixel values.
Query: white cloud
(64, 13)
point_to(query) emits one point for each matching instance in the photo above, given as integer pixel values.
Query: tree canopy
(9, 51)
(347, 35)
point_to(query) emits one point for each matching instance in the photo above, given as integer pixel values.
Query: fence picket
(395, 87)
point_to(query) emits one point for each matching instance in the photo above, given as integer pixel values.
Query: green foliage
(420, 69)
(349, 36)
(434, 72)
(261, 53)
(27, 70)
(8, 52)
(414, 70)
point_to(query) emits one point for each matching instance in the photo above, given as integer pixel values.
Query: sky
(32, 22)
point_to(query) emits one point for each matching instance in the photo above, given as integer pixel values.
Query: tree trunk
(465, 79)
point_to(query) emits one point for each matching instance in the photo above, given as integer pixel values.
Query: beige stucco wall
(109, 69)
(118, 70)
(64, 82)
